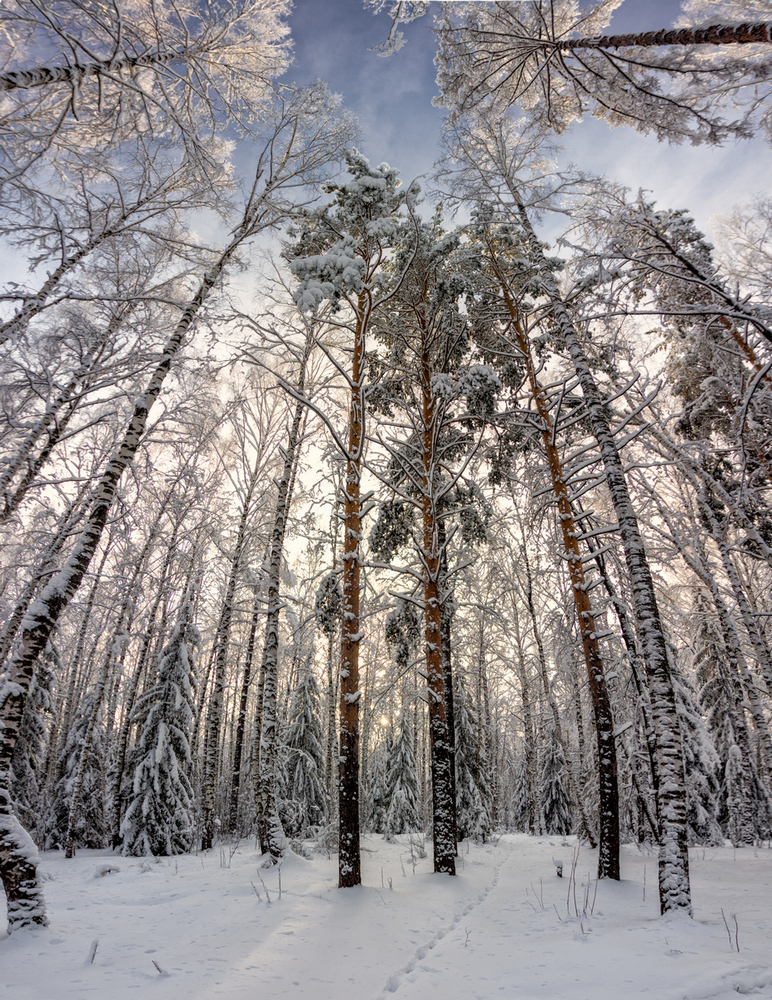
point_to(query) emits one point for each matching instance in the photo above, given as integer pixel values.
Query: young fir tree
(701, 764)
(376, 799)
(472, 791)
(402, 783)
(744, 802)
(556, 803)
(160, 817)
(521, 807)
(305, 805)
(91, 827)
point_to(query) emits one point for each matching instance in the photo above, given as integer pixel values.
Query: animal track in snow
(393, 982)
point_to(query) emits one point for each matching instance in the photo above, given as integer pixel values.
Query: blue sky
(392, 97)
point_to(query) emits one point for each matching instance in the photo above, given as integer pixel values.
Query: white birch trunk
(18, 864)
(674, 885)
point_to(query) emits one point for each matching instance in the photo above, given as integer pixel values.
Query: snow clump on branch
(328, 276)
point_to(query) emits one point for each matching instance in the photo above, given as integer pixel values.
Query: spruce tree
(91, 827)
(402, 784)
(376, 800)
(472, 793)
(305, 807)
(521, 809)
(556, 803)
(159, 819)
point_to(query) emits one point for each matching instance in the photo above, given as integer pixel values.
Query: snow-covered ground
(218, 925)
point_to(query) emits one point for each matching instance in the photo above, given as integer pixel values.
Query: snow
(219, 925)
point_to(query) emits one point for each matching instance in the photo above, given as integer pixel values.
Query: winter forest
(346, 512)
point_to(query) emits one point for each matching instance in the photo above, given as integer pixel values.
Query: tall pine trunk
(440, 737)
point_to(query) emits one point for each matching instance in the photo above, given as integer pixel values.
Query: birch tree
(553, 61)
(172, 72)
(301, 143)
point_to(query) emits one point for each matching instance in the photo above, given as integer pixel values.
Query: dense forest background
(323, 513)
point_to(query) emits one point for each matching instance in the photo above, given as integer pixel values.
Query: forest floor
(218, 925)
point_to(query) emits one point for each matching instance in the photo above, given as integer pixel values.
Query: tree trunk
(674, 887)
(17, 864)
(446, 625)
(349, 865)
(608, 820)
(440, 740)
(269, 829)
(45, 569)
(43, 76)
(716, 34)
(241, 724)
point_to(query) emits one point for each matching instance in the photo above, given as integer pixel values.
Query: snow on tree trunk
(608, 820)
(674, 887)
(269, 829)
(41, 618)
(715, 34)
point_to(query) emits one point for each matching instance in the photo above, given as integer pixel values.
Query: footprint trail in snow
(421, 952)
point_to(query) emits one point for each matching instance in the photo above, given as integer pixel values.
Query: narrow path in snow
(423, 950)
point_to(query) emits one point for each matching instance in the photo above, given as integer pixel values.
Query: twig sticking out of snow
(733, 944)
(265, 888)
(92, 951)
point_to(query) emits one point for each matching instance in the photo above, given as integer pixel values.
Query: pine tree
(339, 257)
(402, 784)
(159, 819)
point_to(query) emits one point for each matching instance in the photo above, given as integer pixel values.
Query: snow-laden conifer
(521, 809)
(472, 781)
(90, 828)
(377, 802)
(402, 783)
(555, 800)
(159, 819)
(305, 806)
